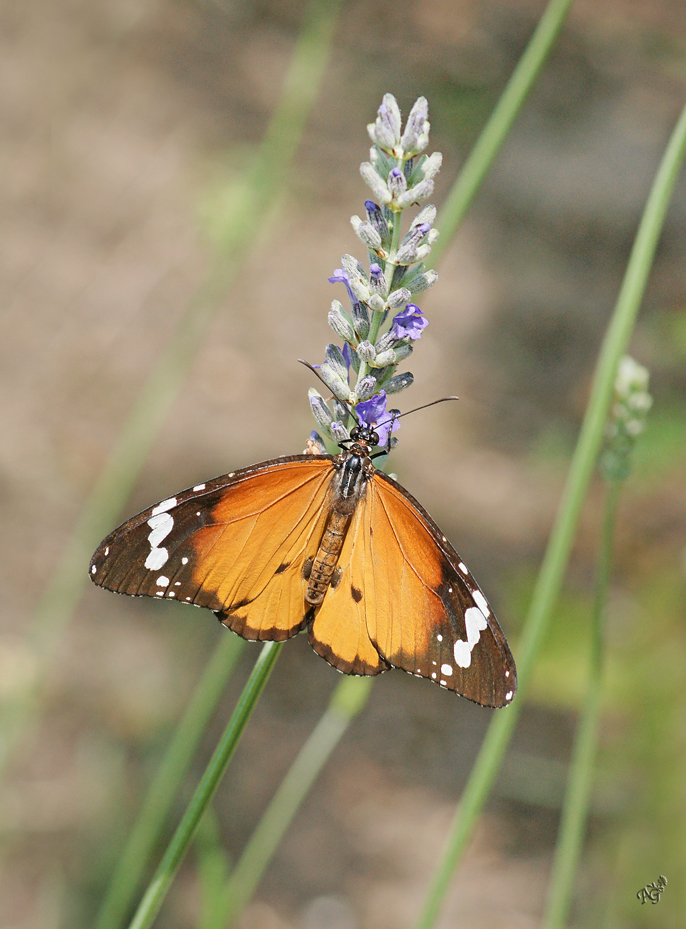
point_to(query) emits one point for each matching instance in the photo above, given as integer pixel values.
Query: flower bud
(409, 246)
(418, 282)
(431, 166)
(338, 386)
(335, 358)
(360, 319)
(398, 382)
(387, 357)
(402, 352)
(397, 185)
(377, 303)
(366, 351)
(340, 322)
(415, 138)
(320, 410)
(385, 132)
(375, 182)
(377, 281)
(366, 233)
(378, 220)
(398, 298)
(364, 388)
(415, 194)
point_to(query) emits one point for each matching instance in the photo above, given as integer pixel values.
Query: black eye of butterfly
(323, 544)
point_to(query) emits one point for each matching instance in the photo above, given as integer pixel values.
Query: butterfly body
(323, 543)
(354, 468)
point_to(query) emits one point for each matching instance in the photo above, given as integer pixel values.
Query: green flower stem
(161, 882)
(348, 699)
(559, 547)
(168, 779)
(259, 188)
(499, 124)
(580, 780)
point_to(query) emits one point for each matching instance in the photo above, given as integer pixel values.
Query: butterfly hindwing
(413, 602)
(440, 625)
(235, 545)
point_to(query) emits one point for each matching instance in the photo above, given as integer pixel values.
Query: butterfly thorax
(353, 470)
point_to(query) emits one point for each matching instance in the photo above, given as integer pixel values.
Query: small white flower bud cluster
(400, 176)
(627, 418)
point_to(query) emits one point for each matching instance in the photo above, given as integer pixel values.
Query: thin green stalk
(559, 547)
(348, 699)
(500, 122)
(153, 813)
(580, 780)
(260, 186)
(161, 882)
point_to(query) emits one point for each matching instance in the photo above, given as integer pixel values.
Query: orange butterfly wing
(235, 545)
(405, 594)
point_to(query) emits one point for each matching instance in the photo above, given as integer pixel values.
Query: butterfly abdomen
(348, 489)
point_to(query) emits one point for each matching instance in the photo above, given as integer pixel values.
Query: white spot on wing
(199, 487)
(164, 506)
(107, 551)
(156, 559)
(509, 695)
(481, 602)
(439, 637)
(446, 669)
(184, 560)
(161, 526)
(463, 568)
(433, 675)
(162, 581)
(475, 621)
(93, 569)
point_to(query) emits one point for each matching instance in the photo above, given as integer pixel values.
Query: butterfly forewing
(235, 544)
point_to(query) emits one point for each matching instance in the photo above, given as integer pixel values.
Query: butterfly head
(364, 434)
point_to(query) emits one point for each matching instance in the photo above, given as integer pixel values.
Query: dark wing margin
(235, 545)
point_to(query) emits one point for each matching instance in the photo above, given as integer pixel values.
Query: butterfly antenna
(423, 407)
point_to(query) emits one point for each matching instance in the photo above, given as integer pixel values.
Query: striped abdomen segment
(327, 556)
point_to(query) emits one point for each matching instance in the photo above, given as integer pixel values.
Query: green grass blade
(348, 699)
(500, 122)
(557, 554)
(177, 848)
(170, 775)
(581, 769)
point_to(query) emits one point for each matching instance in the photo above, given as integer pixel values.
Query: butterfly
(325, 543)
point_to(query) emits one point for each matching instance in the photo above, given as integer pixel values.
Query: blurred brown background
(122, 123)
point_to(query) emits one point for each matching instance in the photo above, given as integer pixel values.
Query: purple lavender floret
(340, 277)
(373, 412)
(409, 323)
